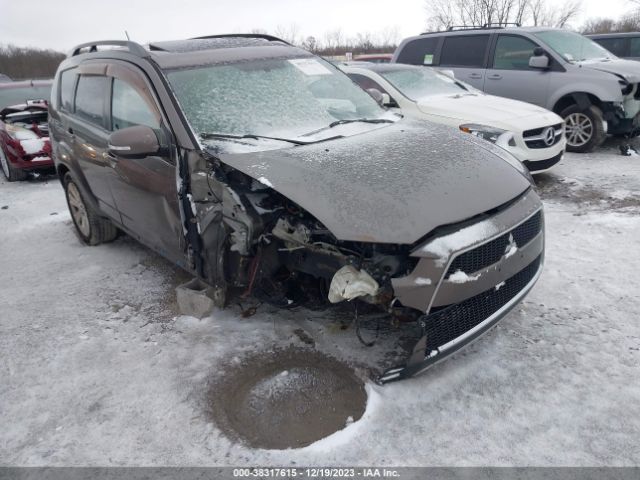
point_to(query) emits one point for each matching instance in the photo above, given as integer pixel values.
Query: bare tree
(290, 33)
(28, 63)
(630, 23)
(446, 13)
(551, 15)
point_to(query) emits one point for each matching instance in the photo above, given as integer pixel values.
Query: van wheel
(584, 128)
(91, 228)
(13, 174)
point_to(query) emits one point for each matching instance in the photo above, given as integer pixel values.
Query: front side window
(513, 53)
(366, 83)
(269, 97)
(415, 83)
(90, 98)
(129, 108)
(573, 47)
(464, 51)
(419, 52)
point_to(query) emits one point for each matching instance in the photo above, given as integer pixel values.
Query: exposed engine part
(349, 283)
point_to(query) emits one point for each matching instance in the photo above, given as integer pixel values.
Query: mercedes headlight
(498, 136)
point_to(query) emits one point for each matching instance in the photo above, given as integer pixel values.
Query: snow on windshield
(573, 47)
(271, 97)
(421, 82)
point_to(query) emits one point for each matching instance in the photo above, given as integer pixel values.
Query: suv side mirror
(136, 141)
(539, 61)
(383, 99)
(376, 95)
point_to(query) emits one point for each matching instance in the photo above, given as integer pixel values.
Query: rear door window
(129, 108)
(464, 51)
(67, 87)
(634, 47)
(513, 53)
(90, 98)
(419, 52)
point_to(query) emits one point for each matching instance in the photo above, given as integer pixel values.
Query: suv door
(144, 189)
(509, 74)
(466, 55)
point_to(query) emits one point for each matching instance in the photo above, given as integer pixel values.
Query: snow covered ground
(97, 369)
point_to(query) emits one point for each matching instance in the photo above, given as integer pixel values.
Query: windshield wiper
(349, 120)
(208, 136)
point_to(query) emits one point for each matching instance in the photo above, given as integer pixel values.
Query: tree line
(21, 63)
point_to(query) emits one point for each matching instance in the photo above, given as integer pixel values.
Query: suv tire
(584, 128)
(13, 174)
(91, 228)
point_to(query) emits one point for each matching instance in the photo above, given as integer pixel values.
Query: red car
(24, 131)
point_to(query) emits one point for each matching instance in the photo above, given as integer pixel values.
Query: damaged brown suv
(263, 169)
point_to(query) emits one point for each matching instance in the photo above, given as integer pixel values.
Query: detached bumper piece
(450, 328)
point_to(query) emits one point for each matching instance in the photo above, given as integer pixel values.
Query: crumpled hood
(629, 69)
(497, 111)
(390, 185)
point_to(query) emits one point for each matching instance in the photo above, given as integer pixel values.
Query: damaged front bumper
(466, 281)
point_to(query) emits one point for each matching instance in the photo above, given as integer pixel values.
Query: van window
(464, 51)
(634, 47)
(513, 53)
(129, 108)
(67, 85)
(614, 45)
(419, 52)
(90, 96)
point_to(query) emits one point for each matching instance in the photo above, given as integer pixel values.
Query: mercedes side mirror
(136, 141)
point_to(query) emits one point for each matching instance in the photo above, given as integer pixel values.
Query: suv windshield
(573, 47)
(415, 83)
(283, 98)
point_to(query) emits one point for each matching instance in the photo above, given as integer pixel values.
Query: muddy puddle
(285, 399)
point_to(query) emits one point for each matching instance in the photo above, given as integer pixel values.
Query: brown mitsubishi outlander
(264, 169)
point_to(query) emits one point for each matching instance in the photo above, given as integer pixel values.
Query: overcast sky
(60, 24)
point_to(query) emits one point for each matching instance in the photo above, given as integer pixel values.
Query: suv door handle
(495, 76)
(475, 75)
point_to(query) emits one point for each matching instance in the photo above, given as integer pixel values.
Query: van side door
(145, 189)
(509, 74)
(467, 56)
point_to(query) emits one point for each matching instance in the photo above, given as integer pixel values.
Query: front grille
(489, 253)
(452, 321)
(537, 165)
(534, 138)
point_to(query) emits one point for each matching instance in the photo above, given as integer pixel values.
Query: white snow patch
(460, 277)
(422, 281)
(499, 286)
(443, 247)
(265, 181)
(33, 145)
(510, 250)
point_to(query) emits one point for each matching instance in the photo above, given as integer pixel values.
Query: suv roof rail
(492, 25)
(264, 36)
(134, 48)
(501, 24)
